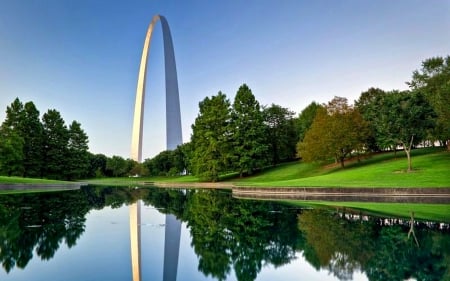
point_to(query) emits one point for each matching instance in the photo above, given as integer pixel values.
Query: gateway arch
(173, 139)
(173, 116)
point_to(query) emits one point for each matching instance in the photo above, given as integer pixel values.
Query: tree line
(241, 136)
(41, 148)
(45, 147)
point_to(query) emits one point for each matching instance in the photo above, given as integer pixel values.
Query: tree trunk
(408, 155)
(408, 152)
(341, 160)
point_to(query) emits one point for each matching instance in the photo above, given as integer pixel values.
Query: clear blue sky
(82, 57)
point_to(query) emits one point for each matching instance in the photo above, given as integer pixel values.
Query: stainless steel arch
(173, 139)
(173, 115)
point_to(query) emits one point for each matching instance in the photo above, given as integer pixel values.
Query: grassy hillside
(431, 169)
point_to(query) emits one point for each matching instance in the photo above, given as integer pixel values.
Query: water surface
(207, 235)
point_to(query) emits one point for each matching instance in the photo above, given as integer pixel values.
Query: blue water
(227, 236)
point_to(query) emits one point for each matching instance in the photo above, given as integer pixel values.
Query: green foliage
(306, 118)
(281, 133)
(211, 137)
(337, 131)
(404, 118)
(342, 243)
(433, 79)
(169, 162)
(97, 165)
(117, 166)
(56, 137)
(33, 135)
(247, 133)
(12, 140)
(368, 105)
(78, 154)
(11, 152)
(32, 148)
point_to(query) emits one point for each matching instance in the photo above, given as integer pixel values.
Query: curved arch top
(173, 116)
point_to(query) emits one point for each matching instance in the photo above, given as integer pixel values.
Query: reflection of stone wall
(40, 186)
(394, 195)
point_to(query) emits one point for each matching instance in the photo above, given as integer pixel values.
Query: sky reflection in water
(221, 239)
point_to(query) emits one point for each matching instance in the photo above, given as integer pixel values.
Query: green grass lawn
(431, 169)
(433, 212)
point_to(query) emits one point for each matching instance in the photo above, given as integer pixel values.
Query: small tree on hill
(337, 130)
(405, 118)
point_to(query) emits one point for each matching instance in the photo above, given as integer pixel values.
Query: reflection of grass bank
(433, 212)
(10, 185)
(383, 170)
(139, 181)
(19, 180)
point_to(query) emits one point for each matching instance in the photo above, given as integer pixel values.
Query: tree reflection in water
(235, 235)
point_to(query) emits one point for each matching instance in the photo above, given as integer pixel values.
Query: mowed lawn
(431, 168)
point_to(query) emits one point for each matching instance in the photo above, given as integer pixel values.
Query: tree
(405, 118)
(78, 154)
(14, 115)
(368, 105)
(97, 165)
(337, 131)
(11, 140)
(33, 135)
(306, 118)
(211, 138)
(11, 152)
(281, 133)
(116, 166)
(56, 137)
(433, 79)
(248, 139)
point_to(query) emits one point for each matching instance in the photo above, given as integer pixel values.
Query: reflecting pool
(121, 233)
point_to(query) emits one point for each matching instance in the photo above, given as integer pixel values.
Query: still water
(98, 233)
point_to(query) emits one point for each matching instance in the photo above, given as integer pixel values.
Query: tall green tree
(405, 117)
(368, 105)
(14, 115)
(12, 141)
(248, 132)
(281, 133)
(78, 152)
(33, 135)
(56, 138)
(306, 118)
(433, 79)
(11, 152)
(211, 138)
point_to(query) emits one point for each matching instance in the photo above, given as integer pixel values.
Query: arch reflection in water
(173, 139)
(171, 244)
